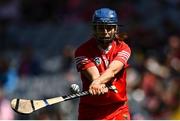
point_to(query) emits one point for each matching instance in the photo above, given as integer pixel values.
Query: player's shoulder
(123, 44)
(86, 46)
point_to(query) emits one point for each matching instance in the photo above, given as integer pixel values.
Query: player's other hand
(97, 88)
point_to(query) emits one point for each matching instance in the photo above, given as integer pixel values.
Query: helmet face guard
(105, 33)
(105, 25)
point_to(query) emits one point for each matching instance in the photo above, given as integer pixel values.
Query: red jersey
(88, 55)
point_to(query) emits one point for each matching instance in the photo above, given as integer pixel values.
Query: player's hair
(123, 36)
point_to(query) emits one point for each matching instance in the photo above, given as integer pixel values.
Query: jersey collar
(105, 51)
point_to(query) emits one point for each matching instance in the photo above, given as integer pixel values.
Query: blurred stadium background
(38, 38)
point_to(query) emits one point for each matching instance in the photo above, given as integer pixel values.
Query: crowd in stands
(38, 38)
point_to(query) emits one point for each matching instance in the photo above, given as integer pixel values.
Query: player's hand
(97, 88)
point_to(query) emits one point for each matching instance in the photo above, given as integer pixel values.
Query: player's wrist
(97, 82)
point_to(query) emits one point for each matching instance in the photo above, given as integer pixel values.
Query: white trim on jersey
(81, 59)
(124, 55)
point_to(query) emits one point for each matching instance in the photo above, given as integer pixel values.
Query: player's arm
(87, 67)
(98, 84)
(114, 68)
(92, 74)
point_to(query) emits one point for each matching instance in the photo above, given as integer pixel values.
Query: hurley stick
(26, 106)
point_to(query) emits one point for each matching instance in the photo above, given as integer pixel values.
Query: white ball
(75, 88)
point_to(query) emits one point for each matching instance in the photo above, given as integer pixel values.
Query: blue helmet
(105, 15)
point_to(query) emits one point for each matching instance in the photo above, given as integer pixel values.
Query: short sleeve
(82, 60)
(123, 54)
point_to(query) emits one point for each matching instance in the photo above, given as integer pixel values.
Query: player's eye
(110, 27)
(103, 27)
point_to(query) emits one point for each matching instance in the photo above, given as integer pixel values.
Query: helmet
(104, 20)
(105, 15)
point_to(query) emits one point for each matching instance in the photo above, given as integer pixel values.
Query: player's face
(105, 33)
